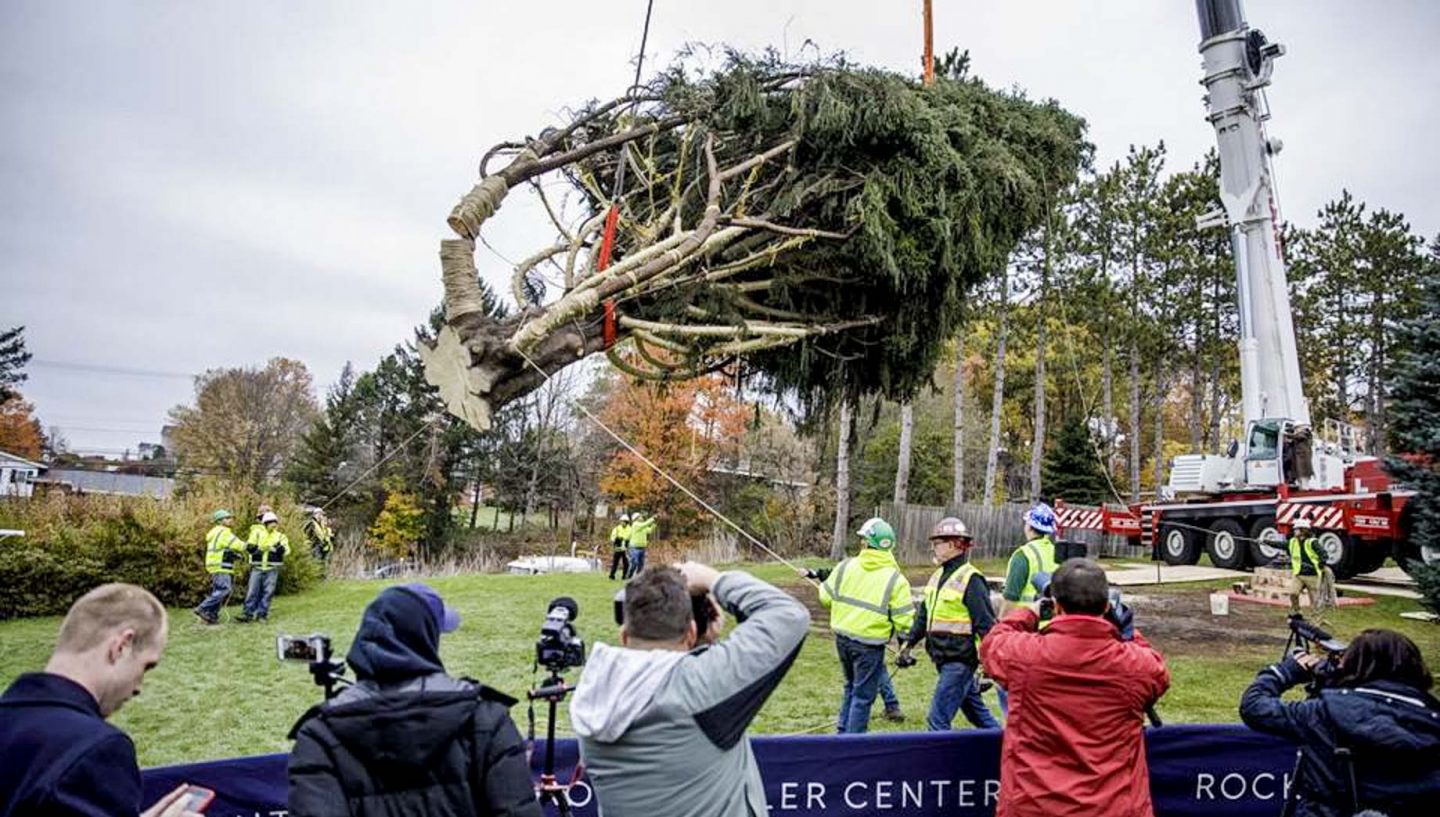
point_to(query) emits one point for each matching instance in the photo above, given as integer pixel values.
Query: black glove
(1123, 618)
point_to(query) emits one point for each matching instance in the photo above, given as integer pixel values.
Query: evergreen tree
(1070, 470)
(13, 358)
(326, 446)
(1415, 416)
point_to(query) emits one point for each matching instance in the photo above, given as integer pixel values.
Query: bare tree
(957, 493)
(841, 535)
(902, 459)
(997, 403)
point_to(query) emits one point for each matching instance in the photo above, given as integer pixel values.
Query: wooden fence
(997, 529)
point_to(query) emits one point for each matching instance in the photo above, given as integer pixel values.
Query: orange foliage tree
(685, 428)
(20, 432)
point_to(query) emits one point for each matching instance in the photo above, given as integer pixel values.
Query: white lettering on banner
(787, 795)
(848, 788)
(939, 791)
(1236, 786)
(814, 793)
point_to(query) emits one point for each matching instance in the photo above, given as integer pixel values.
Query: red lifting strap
(607, 246)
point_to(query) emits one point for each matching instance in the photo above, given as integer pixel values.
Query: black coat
(441, 754)
(58, 756)
(1391, 730)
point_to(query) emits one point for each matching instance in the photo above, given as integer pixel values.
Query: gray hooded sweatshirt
(663, 732)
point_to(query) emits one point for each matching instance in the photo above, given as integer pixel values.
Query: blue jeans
(220, 585)
(1004, 698)
(864, 666)
(887, 690)
(260, 592)
(957, 691)
(637, 562)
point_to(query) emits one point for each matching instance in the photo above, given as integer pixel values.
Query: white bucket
(1219, 604)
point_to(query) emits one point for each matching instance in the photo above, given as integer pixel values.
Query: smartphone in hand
(197, 798)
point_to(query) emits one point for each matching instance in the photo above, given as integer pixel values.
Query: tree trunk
(957, 491)
(1134, 421)
(992, 456)
(1107, 400)
(1037, 449)
(842, 485)
(1215, 444)
(902, 459)
(1197, 399)
(1159, 441)
(475, 505)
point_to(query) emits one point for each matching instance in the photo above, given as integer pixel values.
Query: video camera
(1306, 637)
(559, 646)
(314, 649)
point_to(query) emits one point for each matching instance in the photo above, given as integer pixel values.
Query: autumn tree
(20, 432)
(246, 421)
(685, 428)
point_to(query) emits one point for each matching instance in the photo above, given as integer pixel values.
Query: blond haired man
(58, 756)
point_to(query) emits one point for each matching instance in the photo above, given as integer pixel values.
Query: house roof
(106, 482)
(13, 460)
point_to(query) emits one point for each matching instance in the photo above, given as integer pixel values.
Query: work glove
(905, 659)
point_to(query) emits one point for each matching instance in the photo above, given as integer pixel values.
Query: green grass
(220, 692)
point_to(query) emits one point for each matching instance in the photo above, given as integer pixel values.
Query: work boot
(894, 713)
(244, 618)
(200, 614)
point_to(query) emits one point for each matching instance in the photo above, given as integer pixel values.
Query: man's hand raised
(698, 578)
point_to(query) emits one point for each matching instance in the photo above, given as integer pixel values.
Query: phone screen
(292, 648)
(197, 798)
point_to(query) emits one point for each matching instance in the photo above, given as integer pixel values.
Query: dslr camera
(700, 609)
(559, 646)
(1307, 637)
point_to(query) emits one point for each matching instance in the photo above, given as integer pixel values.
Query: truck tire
(1338, 551)
(1226, 545)
(1267, 545)
(1179, 546)
(1371, 556)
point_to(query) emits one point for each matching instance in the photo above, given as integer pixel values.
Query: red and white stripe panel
(1320, 516)
(1080, 518)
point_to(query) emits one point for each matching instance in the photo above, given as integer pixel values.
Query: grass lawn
(220, 692)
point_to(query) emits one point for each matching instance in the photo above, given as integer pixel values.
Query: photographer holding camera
(1369, 735)
(1073, 743)
(407, 738)
(662, 719)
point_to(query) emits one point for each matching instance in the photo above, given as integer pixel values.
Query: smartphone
(197, 798)
(307, 648)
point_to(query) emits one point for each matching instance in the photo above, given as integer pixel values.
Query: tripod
(552, 691)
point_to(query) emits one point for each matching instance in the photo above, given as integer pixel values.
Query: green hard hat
(877, 533)
(220, 515)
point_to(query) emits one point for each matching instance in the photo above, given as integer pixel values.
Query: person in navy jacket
(58, 756)
(1378, 706)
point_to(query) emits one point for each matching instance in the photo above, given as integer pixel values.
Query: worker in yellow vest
(1309, 569)
(954, 615)
(869, 602)
(1031, 559)
(619, 541)
(267, 547)
(639, 540)
(222, 549)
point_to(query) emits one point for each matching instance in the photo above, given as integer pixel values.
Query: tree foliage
(245, 421)
(789, 214)
(1070, 470)
(20, 432)
(13, 358)
(1415, 412)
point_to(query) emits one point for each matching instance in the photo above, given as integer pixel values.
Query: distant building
(17, 475)
(77, 481)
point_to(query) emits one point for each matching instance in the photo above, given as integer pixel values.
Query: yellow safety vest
(222, 547)
(868, 598)
(1306, 549)
(945, 604)
(619, 536)
(640, 533)
(269, 548)
(1039, 555)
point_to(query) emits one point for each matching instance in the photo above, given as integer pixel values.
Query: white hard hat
(268, 517)
(1301, 524)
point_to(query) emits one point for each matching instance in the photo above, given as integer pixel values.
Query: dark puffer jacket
(1392, 731)
(407, 739)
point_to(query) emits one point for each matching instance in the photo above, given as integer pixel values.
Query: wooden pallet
(1271, 586)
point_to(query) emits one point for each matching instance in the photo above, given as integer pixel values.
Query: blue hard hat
(1041, 518)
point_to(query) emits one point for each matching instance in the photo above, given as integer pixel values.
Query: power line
(96, 368)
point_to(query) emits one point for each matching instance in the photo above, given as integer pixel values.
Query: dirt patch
(1175, 619)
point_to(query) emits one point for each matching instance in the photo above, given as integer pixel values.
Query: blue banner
(1195, 771)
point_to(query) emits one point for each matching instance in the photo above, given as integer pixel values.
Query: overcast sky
(187, 185)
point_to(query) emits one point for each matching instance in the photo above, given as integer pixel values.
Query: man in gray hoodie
(661, 720)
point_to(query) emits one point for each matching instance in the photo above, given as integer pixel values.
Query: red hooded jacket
(1074, 741)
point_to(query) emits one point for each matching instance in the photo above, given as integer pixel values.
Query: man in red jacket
(1073, 742)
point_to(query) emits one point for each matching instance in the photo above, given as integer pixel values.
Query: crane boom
(1237, 64)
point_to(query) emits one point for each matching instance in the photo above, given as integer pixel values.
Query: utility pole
(929, 58)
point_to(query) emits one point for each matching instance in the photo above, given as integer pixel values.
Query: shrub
(73, 543)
